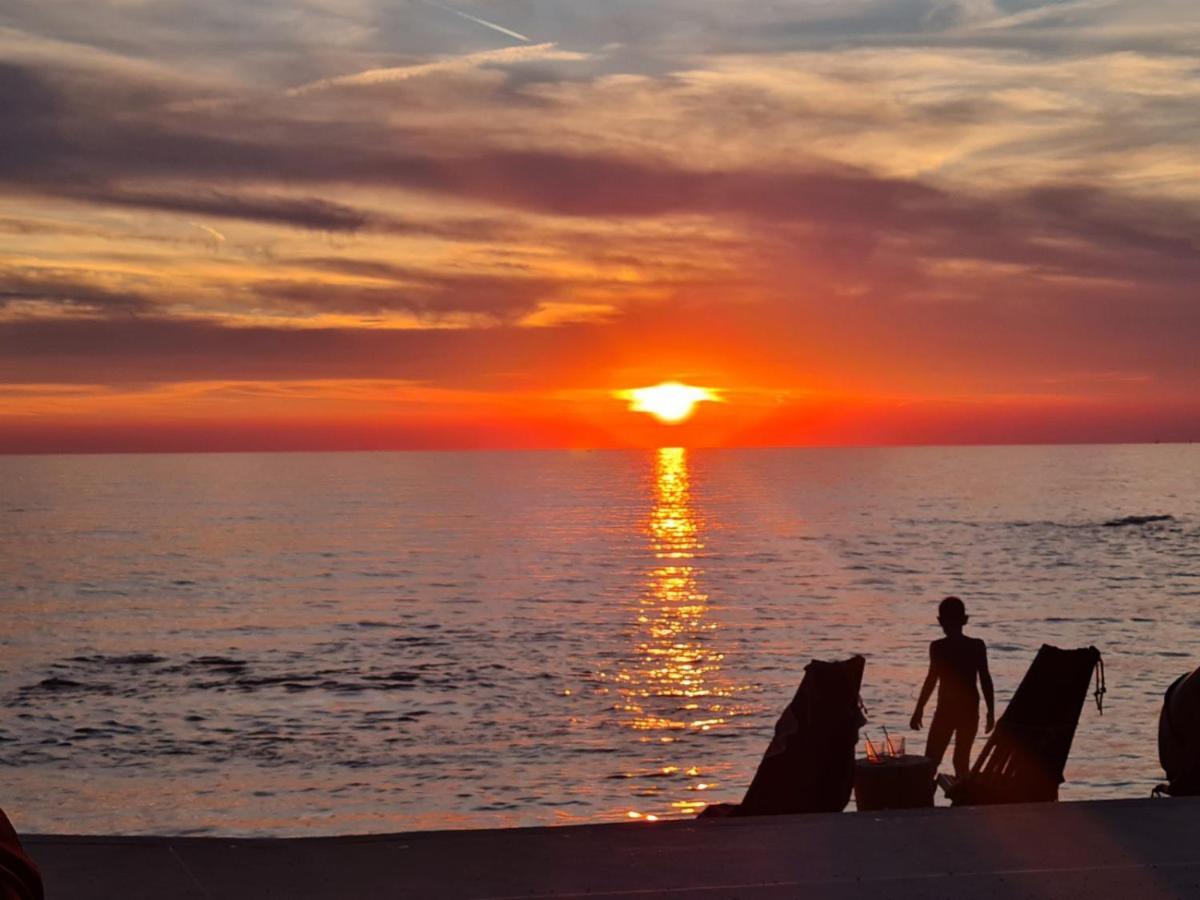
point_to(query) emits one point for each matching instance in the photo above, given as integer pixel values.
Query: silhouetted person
(956, 662)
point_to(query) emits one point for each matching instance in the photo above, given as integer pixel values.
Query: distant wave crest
(1137, 520)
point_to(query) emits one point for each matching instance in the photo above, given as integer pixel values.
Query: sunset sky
(377, 223)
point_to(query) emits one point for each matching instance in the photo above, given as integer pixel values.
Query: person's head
(952, 615)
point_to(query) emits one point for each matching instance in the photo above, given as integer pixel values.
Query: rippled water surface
(319, 643)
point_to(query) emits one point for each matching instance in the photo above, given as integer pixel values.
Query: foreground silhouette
(956, 663)
(1023, 761)
(1179, 737)
(809, 765)
(19, 877)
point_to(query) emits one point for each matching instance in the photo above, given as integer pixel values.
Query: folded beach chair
(1023, 760)
(809, 765)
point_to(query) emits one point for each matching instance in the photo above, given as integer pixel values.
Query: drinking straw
(872, 753)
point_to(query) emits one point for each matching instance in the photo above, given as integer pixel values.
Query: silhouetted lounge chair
(1023, 760)
(1179, 737)
(809, 765)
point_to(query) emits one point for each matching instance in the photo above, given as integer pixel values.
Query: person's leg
(964, 740)
(940, 730)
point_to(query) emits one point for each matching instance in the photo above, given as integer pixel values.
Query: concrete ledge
(1103, 849)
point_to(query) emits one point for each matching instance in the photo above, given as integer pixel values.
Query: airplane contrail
(212, 232)
(452, 64)
(478, 21)
(1036, 14)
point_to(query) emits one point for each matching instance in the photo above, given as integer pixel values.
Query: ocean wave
(131, 659)
(1137, 520)
(1131, 521)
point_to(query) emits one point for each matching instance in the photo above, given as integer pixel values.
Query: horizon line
(564, 449)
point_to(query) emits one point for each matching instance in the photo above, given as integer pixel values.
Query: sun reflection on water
(673, 688)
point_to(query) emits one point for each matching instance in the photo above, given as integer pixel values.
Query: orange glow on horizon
(397, 414)
(669, 402)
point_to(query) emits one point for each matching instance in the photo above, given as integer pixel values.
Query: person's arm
(926, 690)
(985, 684)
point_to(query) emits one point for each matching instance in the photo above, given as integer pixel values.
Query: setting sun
(669, 402)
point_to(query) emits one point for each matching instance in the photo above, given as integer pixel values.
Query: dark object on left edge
(19, 877)
(809, 765)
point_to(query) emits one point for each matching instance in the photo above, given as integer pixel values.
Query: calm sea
(287, 644)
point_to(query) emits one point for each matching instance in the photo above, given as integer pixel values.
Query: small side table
(895, 782)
